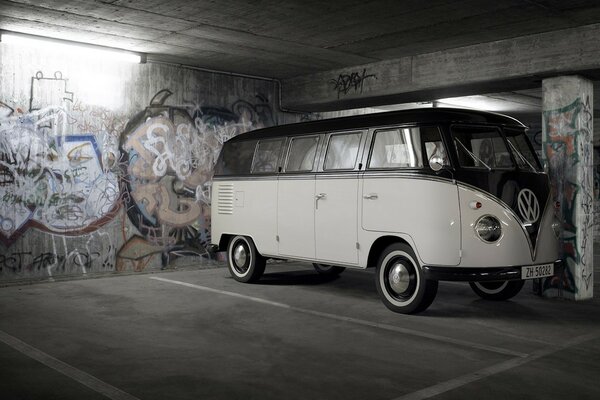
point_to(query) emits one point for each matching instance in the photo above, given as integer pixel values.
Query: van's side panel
(296, 216)
(246, 207)
(425, 209)
(336, 219)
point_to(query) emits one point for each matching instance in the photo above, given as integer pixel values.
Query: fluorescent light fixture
(80, 49)
(479, 102)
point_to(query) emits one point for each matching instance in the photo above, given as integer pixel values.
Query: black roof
(418, 115)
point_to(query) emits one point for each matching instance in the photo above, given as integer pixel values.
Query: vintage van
(421, 195)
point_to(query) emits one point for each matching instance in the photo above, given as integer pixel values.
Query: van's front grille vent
(225, 199)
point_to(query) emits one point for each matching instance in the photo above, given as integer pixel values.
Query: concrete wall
(107, 166)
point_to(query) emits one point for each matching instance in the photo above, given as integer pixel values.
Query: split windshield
(487, 148)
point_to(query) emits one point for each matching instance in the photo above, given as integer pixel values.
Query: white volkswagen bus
(421, 195)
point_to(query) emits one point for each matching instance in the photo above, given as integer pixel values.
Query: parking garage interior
(107, 285)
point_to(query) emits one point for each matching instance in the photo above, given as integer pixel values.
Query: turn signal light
(475, 205)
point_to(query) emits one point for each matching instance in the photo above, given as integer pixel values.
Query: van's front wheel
(400, 281)
(243, 260)
(500, 290)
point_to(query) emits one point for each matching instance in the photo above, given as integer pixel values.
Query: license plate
(537, 271)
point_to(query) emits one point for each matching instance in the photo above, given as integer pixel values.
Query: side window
(434, 147)
(302, 154)
(267, 156)
(397, 148)
(481, 147)
(236, 158)
(342, 151)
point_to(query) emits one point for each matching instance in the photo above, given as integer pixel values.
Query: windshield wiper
(475, 158)
(521, 156)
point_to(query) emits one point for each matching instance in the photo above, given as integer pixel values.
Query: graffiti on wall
(597, 193)
(569, 152)
(50, 178)
(346, 82)
(77, 174)
(97, 254)
(169, 153)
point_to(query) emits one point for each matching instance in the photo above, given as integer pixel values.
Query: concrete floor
(198, 334)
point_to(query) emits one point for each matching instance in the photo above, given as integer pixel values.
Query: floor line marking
(387, 327)
(495, 369)
(69, 371)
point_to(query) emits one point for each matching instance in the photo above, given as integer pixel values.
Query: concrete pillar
(567, 140)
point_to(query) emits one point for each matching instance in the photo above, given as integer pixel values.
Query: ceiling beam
(511, 64)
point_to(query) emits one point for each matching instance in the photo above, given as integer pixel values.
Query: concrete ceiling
(287, 38)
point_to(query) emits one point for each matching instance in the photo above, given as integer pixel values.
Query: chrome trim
(312, 260)
(338, 175)
(244, 178)
(479, 274)
(297, 177)
(406, 175)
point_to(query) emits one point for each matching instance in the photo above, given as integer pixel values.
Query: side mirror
(436, 163)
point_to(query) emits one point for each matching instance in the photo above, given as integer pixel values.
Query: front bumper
(477, 274)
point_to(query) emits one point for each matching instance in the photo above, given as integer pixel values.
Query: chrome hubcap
(240, 255)
(399, 278)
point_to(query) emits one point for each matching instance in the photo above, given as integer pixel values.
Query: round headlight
(488, 228)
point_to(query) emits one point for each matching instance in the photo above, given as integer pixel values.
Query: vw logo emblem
(528, 206)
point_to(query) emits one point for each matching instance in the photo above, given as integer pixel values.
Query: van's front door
(336, 218)
(424, 210)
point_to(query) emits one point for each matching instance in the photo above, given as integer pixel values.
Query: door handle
(318, 197)
(371, 196)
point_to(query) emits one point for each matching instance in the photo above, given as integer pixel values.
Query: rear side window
(236, 158)
(301, 157)
(266, 158)
(342, 151)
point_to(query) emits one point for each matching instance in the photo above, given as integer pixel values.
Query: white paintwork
(425, 210)
(513, 248)
(296, 218)
(336, 220)
(254, 214)
(433, 216)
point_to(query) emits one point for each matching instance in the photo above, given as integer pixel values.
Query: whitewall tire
(243, 260)
(400, 282)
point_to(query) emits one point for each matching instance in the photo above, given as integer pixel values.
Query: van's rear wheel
(328, 270)
(243, 261)
(497, 290)
(400, 281)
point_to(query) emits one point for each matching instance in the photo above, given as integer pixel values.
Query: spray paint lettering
(52, 176)
(569, 152)
(97, 255)
(54, 182)
(170, 152)
(355, 80)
